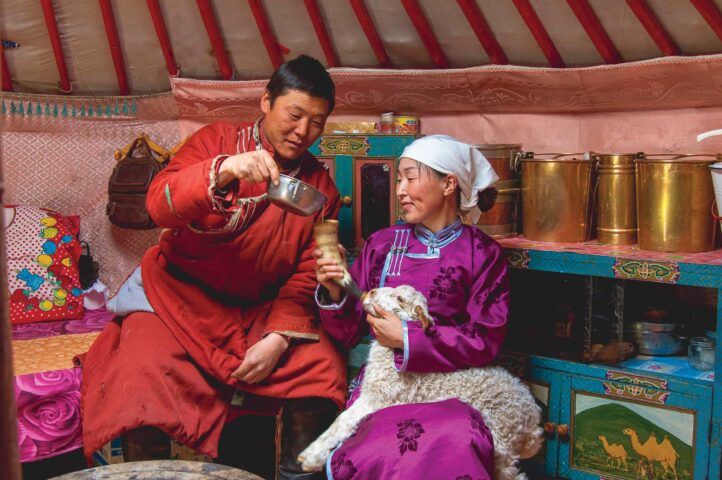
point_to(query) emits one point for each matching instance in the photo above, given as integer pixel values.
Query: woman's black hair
(486, 199)
(305, 74)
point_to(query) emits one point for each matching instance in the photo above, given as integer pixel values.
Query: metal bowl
(295, 196)
(658, 343)
(655, 327)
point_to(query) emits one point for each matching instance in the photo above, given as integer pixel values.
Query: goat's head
(405, 301)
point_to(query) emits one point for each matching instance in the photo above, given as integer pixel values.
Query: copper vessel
(557, 196)
(674, 203)
(616, 198)
(503, 157)
(502, 219)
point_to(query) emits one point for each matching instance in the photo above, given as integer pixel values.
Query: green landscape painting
(628, 440)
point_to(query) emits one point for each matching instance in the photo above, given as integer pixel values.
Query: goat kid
(506, 404)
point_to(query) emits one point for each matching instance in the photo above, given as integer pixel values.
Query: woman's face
(420, 191)
(294, 122)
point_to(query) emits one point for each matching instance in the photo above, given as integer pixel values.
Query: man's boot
(304, 419)
(145, 443)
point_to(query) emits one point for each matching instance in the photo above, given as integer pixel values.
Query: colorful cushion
(42, 264)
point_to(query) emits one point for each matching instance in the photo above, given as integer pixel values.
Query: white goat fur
(506, 404)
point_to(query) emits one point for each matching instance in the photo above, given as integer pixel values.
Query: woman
(462, 273)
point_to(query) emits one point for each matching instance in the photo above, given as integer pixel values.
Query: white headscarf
(448, 155)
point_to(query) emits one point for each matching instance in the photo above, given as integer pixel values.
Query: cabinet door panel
(343, 177)
(374, 196)
(546, 386)
(630, 432)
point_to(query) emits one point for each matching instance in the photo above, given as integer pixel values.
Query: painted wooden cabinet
(647, 417)
(364, 169)
(610, 423)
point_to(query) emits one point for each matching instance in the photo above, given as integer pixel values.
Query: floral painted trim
(328, 306)
(216, 205)
(170, 202)
(405, 362)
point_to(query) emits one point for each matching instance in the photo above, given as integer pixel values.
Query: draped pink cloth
(48, 403)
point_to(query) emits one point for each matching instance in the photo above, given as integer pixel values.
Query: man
(224, 302)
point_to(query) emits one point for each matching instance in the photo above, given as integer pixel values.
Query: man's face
(293, 123)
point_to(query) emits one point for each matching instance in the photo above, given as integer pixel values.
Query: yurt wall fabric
(62, 161)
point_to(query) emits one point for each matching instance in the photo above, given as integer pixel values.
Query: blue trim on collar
(436, 241)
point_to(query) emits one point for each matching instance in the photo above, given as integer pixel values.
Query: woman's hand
(261, 359)
(328, 272)
(387, 327)
(253, 167)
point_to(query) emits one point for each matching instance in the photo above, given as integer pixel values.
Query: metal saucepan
(653, 338)
(295, 196)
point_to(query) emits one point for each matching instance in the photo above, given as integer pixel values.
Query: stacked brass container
(674, 203)
(502, 219)
(558, 196)
(616, 198)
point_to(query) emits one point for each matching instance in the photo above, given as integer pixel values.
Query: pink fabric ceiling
(662, 84)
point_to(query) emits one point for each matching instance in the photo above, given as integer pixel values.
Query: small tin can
(406, 124)
(387, 123)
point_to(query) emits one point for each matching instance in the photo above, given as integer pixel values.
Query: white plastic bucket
(716, 170)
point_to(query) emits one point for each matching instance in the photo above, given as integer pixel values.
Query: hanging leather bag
(128, 187)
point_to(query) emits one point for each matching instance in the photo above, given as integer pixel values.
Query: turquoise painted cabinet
(647, 417)
(364, 169)
(602, 422)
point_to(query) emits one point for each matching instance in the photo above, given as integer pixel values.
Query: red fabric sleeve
(294, 311)
(180, 193)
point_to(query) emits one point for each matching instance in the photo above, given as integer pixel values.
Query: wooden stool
(161, 470)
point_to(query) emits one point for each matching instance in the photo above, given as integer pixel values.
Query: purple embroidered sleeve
(446, 348)
(344, 320)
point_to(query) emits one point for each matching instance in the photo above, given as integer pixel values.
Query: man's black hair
(305, 74)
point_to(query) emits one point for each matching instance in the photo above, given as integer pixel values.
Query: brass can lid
(496, 147)
(557, 157)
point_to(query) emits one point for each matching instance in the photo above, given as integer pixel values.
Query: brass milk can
(616, 199)
(674, 203)
(502, 219)
(558, 196)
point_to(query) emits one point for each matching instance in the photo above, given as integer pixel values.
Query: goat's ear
(425, 320)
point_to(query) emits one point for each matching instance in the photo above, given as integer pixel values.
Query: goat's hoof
(312, 461)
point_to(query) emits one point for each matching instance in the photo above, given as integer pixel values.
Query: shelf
(678, 377)
(674, 366)
(616, 261)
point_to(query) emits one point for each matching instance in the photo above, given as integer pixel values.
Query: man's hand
(387, 327)
(253, 167)
(261, 359)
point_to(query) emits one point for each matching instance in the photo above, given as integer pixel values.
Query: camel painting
(615, 452)
(652, 452)
(631, 440)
